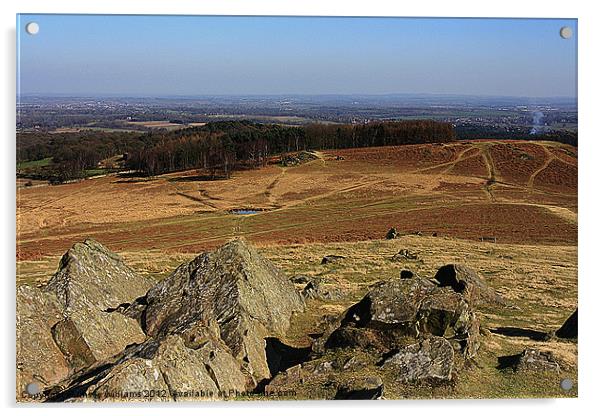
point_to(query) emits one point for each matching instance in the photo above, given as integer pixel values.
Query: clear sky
(195, 55)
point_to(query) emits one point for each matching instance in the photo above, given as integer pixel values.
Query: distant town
(471, 116)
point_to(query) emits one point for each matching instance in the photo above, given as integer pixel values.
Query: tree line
(218, 147)
(223, 146)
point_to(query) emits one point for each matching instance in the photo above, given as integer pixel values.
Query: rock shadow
(510, 331)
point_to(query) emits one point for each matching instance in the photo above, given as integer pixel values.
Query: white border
(590, 153)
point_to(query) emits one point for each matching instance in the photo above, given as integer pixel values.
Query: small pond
(244, 211)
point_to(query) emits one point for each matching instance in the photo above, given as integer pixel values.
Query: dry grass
(540, 283)
(410, 187)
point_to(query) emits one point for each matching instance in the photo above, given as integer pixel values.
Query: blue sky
(195, 55)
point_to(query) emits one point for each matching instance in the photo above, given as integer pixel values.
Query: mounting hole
(32, 389)
(566, 32)
(566, 384)
(32, 28)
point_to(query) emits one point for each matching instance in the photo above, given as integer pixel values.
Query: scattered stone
(301, 279)
(297, 159)
(316, 290)
(392, 234)
(354, 363)
(531, 359)
(569, 328)
(332, 258)
(404, 254)
(430, 359)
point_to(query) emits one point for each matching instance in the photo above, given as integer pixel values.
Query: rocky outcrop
(65, 326)
(429, 359)
(411, 308)
(215, 328)
(207, 330)
(234, 286)
(413, 329)
(39, 359)
(569, 328)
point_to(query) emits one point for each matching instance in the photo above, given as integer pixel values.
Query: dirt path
(268, 190)
(320, 156)
(546, 163)
(450, 165)
(561, 212)
(491, 174)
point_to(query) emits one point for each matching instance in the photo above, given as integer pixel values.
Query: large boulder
(66, 325)
(234, 286)
(39, 359)
(463, 279)
(90, 282)
(175, 372)
(393, 312)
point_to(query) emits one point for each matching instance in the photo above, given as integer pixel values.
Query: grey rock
(531, 359)
(236, 287)
(404, 254)
(91, 280)
(392, 234)
(429, 359)
(332, 258)
(316, 290)
(393, 311)
(64, 326)
(39, 359)
(464, 280)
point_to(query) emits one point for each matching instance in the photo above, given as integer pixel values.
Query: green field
(34, 163)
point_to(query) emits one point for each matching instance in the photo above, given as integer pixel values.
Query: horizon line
(283, 94)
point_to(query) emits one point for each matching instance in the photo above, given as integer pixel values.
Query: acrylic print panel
(277, 208)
